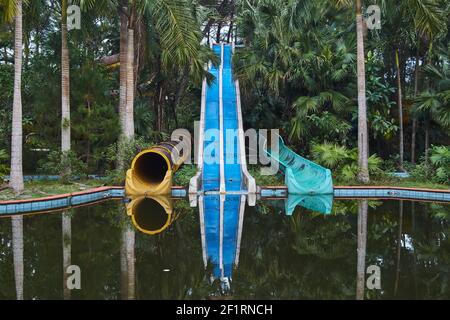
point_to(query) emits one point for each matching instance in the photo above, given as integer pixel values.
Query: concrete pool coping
(90, 196)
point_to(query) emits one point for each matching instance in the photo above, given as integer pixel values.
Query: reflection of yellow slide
(152, 170)
(151, 215)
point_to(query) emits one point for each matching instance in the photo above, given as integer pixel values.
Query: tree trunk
(363, 208)
(230, 31)
(65, 82)
(180, 93)
(67, 249)
(413, 140)
(400, 110)
(363, 143)
(219, 29)
(427, 138)
(17, 244)
(416, 90)
(123, 11)
(123, 64)
(129, 125)
(16, 180)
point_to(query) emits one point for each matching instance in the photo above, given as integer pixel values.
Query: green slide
(301, 175)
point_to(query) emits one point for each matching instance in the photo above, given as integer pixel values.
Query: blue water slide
(233, 178)
(211, 166)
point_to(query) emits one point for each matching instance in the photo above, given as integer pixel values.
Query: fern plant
(343, 161)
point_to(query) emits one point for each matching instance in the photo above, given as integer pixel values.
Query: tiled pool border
(375, 192)
(11, 207)
(68, 200)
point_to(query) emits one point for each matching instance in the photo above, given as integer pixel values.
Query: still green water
(307, 255)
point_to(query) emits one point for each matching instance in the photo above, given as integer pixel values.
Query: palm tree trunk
(16, 180)
(17, 234)
(400, 110)
(363, 141)
(416, 90)
(123, 64)
(123, 10)
(363, 208)
(219, 30)
(129, 132)
(65, 82)
(427, 138)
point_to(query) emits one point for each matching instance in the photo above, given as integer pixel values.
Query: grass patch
(39, 189)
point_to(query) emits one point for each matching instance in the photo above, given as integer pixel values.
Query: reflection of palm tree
(67, 249)
(127, 263)
(399, 247)
(362, 246)
(17, 234)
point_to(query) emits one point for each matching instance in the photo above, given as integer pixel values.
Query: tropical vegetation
(316, 69)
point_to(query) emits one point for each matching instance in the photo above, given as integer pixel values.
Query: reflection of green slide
(301, 175)
(319, 203)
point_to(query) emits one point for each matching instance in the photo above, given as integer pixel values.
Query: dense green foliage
(297, 70)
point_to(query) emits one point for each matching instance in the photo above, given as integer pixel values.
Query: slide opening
(151, 168)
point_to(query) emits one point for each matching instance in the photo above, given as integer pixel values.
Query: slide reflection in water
(151, 214)
(221, 221)
(318, 203)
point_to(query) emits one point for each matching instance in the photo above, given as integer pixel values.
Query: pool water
(305, 255)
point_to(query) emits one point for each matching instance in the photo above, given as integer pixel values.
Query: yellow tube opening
(150, 167)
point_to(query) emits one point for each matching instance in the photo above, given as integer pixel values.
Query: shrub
(4, 167)
(184, 174)
(437, 169)
(65, 164)
(129, 147)
(343, 161)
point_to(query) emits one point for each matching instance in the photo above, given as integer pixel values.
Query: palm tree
(65, 82)
(16, 181)
(400, 109)
(363, 138)
(123, 11)
(411, 19)
(175, 27)
(363, 141)
(129, 108)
